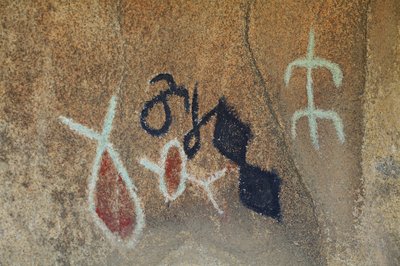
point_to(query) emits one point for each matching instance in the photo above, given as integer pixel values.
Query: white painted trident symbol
(311, 62)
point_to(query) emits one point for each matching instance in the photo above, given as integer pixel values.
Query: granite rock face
(379, 230)
(199, 132)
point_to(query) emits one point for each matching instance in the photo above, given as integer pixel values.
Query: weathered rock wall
(70, 188)
(379, 230)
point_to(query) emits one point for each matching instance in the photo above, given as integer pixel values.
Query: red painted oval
(173, 169)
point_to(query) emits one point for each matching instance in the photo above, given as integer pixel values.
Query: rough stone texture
(332, 173)
(340, 204)
(379, 230)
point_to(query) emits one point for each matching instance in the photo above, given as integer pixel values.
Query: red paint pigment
(173, 168)
(113, 202)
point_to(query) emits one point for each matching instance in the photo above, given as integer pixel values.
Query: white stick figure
(103, 145)
(160, 170)
(310, 62)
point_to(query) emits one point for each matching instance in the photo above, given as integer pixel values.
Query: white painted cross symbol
(103, 146)
(310, 62)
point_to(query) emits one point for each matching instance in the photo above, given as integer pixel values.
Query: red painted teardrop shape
(113, 203)
(173, 168)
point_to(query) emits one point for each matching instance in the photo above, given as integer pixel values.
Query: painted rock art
(172, 174)
(171, 170)
(163, 98)
(173, 167)
(113, 202)
(259, 189)
(311, 62)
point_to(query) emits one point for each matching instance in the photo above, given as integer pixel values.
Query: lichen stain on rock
(389, 167)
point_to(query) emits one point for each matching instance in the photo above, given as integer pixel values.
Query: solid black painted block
(259, 190)
(231, 135)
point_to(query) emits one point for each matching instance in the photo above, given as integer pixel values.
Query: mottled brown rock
(379, 230)
(332, 173)
(69, 58)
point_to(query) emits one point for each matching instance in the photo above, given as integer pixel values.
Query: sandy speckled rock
(338, 203)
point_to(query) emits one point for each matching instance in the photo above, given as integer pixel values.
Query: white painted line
(310, 62)
(103, 144)
(159, 169)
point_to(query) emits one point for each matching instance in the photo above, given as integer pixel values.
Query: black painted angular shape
(231, 135)
(259, 190)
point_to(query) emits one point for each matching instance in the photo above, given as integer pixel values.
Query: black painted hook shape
(162, 98)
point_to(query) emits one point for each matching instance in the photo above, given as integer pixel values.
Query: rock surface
(339, 193)
(379, 229)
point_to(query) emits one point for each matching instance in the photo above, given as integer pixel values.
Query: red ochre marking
(113, 202)
(173, 168)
